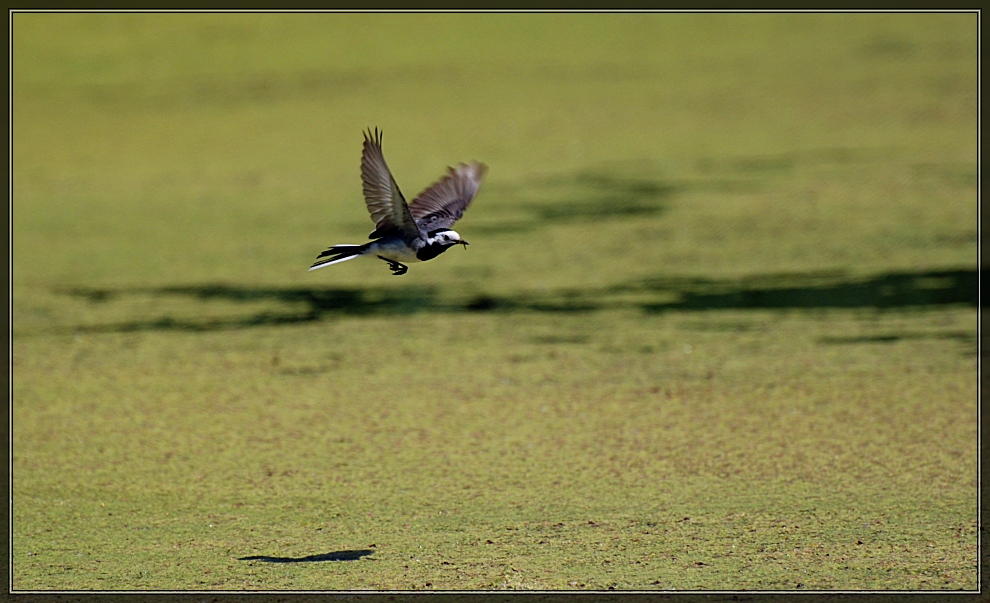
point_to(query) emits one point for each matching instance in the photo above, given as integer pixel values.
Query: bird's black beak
(465, 243)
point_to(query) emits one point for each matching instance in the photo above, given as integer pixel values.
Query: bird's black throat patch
(431, 251)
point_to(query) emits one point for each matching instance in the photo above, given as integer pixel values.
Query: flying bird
(416, 232)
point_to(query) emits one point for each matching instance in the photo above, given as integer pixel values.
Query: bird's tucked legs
(396, 268)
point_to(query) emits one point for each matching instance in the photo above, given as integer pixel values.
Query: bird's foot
(396, 268)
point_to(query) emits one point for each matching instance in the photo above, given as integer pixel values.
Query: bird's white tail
(338, 254)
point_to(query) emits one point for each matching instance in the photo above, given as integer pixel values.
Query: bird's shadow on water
(349, 555)
(892, 290)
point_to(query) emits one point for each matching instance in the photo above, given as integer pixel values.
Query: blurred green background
(715, 329)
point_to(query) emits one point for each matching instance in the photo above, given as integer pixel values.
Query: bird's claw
(396, 268)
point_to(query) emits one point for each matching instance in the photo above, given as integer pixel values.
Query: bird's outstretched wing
(385, 202)
(444, 202)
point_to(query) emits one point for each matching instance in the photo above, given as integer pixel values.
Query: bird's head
(447, 238)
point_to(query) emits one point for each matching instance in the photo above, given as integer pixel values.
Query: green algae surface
(715, 329)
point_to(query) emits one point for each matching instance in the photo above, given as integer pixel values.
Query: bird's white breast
(393, 249)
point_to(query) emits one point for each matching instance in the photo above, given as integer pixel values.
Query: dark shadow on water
(334, 556)
(655, 295)
(638, 189)
(305, 304)
(961, 336)
(892, 290)
(589, 195)
(597, 195)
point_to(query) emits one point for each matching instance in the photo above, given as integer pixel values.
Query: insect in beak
(463, 242)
